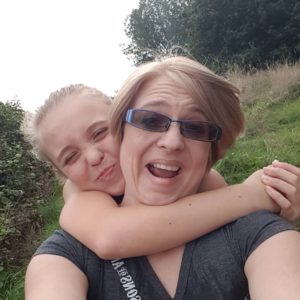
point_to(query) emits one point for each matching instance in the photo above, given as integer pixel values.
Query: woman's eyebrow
(193, 108)
(155, 103)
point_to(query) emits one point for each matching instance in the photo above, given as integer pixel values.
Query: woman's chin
(158, 199)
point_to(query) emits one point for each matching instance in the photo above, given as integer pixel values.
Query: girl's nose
(94, 156)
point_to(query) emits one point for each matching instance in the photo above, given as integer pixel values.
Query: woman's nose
(172, 139)
(94, 156)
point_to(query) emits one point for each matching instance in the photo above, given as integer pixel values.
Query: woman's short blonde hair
(31, 122)
(218, 99)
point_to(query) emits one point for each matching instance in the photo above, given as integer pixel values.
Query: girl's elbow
(108, 247)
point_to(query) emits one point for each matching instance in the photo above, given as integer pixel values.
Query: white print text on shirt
(126, 280)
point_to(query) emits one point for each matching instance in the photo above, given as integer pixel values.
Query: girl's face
(161, 167)
(75, 137)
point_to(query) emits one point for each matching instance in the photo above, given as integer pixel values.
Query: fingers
(284, 177)
(278, 197)
(291, 214)
(282, 182)
(290, 176)
(286, 166)
(288, 190)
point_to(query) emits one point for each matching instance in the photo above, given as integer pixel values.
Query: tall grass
(12, 281)
(12, 284)
(271, 102)
(270, 85)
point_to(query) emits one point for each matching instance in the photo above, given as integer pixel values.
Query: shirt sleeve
(63, 244)
(252, 230)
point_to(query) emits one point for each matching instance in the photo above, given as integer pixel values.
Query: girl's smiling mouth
(106, 173)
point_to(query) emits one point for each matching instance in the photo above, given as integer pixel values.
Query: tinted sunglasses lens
(200, 131)
(148, 120)
(152, 121)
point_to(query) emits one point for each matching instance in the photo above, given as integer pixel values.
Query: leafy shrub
(25, 183)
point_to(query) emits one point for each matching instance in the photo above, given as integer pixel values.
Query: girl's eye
(71, 158)
(100, 133)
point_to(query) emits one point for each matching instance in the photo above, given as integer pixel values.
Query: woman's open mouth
(163, 171)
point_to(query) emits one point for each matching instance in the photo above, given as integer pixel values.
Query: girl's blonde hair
(31, 122)
(218, 99)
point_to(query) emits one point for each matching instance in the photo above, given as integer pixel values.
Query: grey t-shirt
(212, 266)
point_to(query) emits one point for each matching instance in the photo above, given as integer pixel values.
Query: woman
(173, 104)
(116, 265)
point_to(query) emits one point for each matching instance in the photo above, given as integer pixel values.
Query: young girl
(71, 131)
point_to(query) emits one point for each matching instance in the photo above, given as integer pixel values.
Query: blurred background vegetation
(255, 44)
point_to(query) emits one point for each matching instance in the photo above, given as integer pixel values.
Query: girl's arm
(113, 232)
(69, 190)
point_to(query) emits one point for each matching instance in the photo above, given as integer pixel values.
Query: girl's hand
(282, 182)
(260, 198)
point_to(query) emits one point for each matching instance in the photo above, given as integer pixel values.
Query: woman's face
(75, 137)
(161, 167)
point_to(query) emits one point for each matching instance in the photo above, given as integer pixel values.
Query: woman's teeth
(163, 171)
(165, 167)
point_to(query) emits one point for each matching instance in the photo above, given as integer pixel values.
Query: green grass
(273, 132)
(12, 284)
(50, 213)
(12, 281)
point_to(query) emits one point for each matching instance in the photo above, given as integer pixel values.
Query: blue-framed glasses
(191, 129)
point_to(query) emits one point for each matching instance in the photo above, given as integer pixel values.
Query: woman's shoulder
(247, 233)
(63, 244)
(58, 241)
(262, 221)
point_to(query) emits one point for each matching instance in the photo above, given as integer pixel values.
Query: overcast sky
(47, 44)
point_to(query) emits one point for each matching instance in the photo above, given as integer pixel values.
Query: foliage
(24, 184)
(153, 28)
(12, 284)
(246, 33)
(273, 132)
(272, 84)
(12, 281)
(50, 213)
(219, 33)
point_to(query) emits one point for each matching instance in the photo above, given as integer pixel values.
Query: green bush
(12, 280)
(25, 183)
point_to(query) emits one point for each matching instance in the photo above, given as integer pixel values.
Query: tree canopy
(154, 27)
(218, 32)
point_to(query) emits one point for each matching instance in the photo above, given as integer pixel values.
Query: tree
(219, 33)
(247, 33)
(155, 26)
